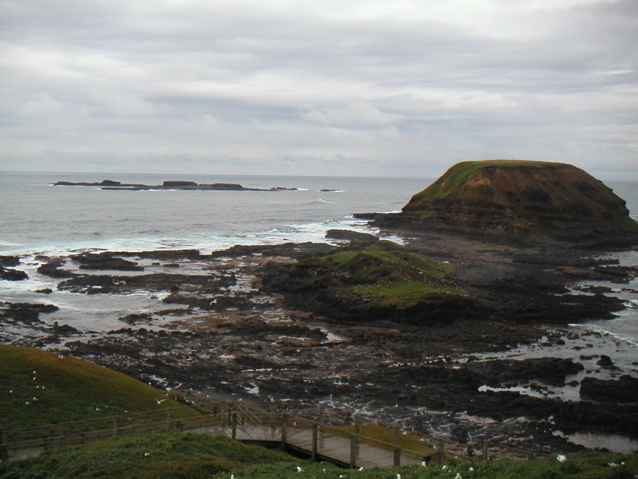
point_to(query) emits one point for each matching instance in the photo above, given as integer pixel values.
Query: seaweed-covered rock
(372, 281)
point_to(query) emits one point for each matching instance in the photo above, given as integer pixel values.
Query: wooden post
(441, 447)
(115, 426)
(484, 455)
(233, 434)
(397, 447)
(168, 420)
(284, 430)
(354, 450)
(4, 446)
(321, 413)
(315, 431)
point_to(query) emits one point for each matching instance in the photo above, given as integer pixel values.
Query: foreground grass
(193, 456)
(39, 388)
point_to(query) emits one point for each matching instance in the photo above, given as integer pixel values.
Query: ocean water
(38, 218)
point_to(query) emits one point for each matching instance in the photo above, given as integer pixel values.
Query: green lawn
(40, 388)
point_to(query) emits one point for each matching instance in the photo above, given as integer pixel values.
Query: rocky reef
(518, 199)
(169, 185)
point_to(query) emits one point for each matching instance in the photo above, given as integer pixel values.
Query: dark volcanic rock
(105, 261)
(24, 312)
(9, 261)
(350, 235)
(10, 274)
(623, 390)
(52, 269)
(549, 370)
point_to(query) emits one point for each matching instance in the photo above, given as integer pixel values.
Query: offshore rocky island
(492, 252)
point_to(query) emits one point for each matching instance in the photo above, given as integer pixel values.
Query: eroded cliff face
(522, 198)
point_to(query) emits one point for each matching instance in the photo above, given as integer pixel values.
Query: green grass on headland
(384, 274)
(39, 388)
(459, 173)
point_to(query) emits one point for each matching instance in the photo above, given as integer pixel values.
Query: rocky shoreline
(217, 330)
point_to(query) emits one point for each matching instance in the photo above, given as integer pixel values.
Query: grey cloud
(208, 82)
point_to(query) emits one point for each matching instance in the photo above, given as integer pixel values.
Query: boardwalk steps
(326, 435)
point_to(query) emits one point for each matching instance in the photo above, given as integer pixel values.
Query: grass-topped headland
(368, 280)
(40, 388)
(458, 174)
(520, 198)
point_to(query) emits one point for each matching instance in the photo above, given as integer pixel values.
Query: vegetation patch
(381, 274)
(165, 456)
(39, 388)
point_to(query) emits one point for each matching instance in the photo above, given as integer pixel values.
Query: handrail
(231, 414)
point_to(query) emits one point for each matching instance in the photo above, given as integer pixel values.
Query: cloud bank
(331, 87)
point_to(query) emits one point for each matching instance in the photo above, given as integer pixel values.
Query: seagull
(299, 469)
(146, 454)
(160, 401)
(458, 476)
(561, 458)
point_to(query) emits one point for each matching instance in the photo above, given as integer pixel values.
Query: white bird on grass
(160, 401)
(299, 469)
(458, 476)
(561, 458)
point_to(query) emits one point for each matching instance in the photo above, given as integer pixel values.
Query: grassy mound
(370, 280)
(383, 274)
(191, 456)
(40, 388)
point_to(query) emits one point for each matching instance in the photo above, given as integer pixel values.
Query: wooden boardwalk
(329, 447)
(325, 436)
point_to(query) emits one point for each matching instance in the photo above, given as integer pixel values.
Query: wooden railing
(271, 421)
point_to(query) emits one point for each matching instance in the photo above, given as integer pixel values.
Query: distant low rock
(170, 185)
(179, 184)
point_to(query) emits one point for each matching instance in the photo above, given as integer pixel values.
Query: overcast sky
(317, 87)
